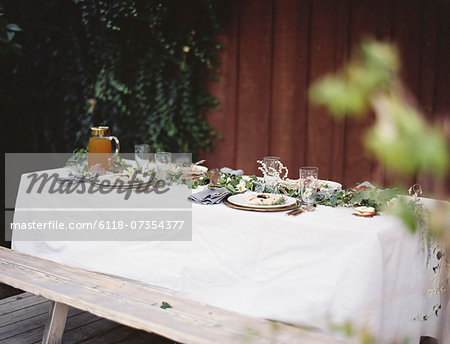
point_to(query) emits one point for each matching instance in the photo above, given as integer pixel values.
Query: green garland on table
(78, 163)
(368, 197)
(355, 197)
(231, 182)
(236, 184)
(180, 173)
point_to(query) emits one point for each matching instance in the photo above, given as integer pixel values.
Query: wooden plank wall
(274, 49)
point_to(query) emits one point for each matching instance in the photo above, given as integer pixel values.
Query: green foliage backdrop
(140, 67)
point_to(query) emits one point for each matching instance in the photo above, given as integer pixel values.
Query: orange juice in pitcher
(100, 150)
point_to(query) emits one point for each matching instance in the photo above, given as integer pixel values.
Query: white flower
(393, 202)
(241, 186)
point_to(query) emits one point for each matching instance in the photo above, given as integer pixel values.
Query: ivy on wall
(140, 67)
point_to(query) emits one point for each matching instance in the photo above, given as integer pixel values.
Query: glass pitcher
(100, 148)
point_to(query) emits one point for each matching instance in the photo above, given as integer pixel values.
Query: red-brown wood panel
(407, 35)
(428, 57)
(340, 58)
(442, 68)
(299, 141)
(385, 12)
(427, 77)
(275, 49)
(358, 166)
(384, 32)
(284, 79)
(224, 118)
(255, 71)
(442, 83)
(319, 123)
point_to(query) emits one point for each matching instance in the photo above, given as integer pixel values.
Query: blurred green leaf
(13, 27)
(405, 212)
(400, 139)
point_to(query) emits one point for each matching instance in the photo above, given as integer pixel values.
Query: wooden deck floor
(23, 318)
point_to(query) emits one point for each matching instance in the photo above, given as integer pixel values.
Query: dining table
(326, 269)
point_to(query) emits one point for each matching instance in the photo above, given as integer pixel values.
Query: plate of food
(262, 200)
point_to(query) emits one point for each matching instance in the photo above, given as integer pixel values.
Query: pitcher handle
(285, 172)
(116, 140)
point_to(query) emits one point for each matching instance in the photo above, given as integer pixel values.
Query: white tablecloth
(318, 269)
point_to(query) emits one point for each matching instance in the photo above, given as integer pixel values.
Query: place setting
(265, 195)
(273, 192)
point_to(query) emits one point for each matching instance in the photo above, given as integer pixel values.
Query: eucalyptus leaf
(165, 305)
(13, 27)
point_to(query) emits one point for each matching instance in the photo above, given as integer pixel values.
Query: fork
(300, 210)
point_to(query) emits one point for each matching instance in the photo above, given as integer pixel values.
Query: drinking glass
(309, 180)
(272, 164)
(162, 161)
(142, 156)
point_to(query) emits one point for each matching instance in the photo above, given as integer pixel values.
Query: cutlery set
(301, 209)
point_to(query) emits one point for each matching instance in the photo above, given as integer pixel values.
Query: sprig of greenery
(194, 184)
(79, 156)
(78, 162)
(280, 201)
(368, 197)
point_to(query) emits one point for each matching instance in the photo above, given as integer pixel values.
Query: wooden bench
(139, 306)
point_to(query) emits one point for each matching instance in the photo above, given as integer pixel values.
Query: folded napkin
(231, 171)
(366, 184)
(209, 196)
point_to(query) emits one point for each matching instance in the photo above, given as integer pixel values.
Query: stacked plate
(240, 201)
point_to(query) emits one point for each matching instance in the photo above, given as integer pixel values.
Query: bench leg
(56, 323)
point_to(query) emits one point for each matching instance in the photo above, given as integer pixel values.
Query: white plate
(200, 168)
(328, 184)
(241, 200)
